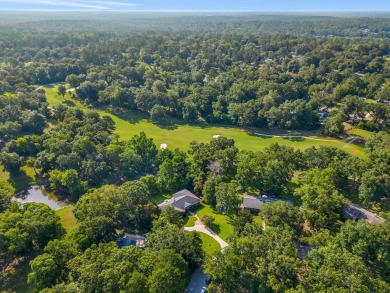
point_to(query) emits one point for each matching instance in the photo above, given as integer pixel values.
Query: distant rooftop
(355, 213)
(131, 239)
(255, 202)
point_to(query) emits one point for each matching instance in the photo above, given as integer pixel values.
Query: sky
(198, 5)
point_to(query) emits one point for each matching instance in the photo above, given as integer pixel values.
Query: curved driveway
(203, 229)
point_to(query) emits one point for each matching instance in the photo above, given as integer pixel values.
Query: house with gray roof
(254, 203)
(354, 212)
(181, 201)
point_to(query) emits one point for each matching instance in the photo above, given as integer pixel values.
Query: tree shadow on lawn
(198, 208)
(49, 86)
(288, 193)
(69, 103)
(174, 123)
(215, 228)
(294, 139)
(169, 123)
(166, 124)
(20, 180)
(130, 116)
(15, 279)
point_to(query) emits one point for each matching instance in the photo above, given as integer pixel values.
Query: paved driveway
(204, 229)
(197, 281)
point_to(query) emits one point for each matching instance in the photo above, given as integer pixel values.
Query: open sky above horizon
(198, 5)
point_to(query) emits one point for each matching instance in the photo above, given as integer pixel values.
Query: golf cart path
(205, 230)
(294, 136)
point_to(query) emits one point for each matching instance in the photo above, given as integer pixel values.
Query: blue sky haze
(199, 5)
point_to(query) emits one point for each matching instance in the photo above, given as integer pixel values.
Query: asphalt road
(197, 281)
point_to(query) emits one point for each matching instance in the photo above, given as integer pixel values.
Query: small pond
(39, 194)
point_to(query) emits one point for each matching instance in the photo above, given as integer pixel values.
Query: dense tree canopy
(304, 74)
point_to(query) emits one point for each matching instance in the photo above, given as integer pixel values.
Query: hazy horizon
(227, 6)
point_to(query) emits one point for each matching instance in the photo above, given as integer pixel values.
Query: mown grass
(360, 132)
(222, 224)
(209, 244)
(257, 220)
(351, 130)
(179, 134)
(67, 218)
(189, 221)
(160, 198)
(22, 179)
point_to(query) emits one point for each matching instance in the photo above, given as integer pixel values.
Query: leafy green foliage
(173, 172)
(235, 76)
(227, 198)
(187, 244)
(11, 162)
(334, 125)
(101, 211)
(28, 227)
(67, 181)
(322, 203)
(6, 193)
(330, 268)
(208, 220)
(280, 213)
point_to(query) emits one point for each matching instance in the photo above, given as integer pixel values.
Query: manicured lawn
(54, 99)
(257, 220)
(222, 224)
(160, 198)
(68, 220)
(179, 134)
(189, 221)
(176, 134)
(21, 179)
(209, 245)
(360, 132)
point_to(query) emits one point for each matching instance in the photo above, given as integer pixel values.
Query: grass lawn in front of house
(160, 198)
(222, 224)
(209, 244)
(189, 221)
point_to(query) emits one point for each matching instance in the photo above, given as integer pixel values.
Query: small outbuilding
(181, 201)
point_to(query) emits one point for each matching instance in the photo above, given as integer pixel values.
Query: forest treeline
(374, 25)
(243, 79)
